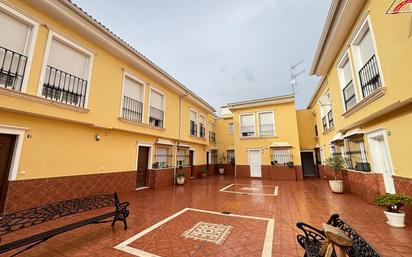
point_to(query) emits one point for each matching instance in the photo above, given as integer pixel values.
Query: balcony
(369, 76)
(132, 109)
(202, 131)
(247, 131)
(349, 96)
(212, 136)
(12, 69)
(63, 87)
(266, 130)
(193, 128)
(156, 117)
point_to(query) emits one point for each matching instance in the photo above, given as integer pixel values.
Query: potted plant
(221, 160)
(393, 203)
(337, 163)
(290, 164)
(180, 176)
(204, 172)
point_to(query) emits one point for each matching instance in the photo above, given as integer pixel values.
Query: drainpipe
(179, 138)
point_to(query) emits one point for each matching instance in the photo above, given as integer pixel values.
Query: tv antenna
(294, 75)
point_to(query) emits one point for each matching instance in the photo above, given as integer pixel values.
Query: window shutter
(347, 73)
(133, 89)
(193, 116)
(201, 120)
(67, 59)
(366, 47)
(266, 118)
(247, 120)
(13, 33)
(156, 100)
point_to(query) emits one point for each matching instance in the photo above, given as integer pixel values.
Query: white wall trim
(18, 146)
(310, 151)
(346, 58)
(89, 69)
(273, 120)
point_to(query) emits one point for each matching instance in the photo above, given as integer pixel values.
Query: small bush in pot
(337, 163)
(221, 161)
(394, 203)
(180, 176)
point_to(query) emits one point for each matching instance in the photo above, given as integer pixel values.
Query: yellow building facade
(363, 104)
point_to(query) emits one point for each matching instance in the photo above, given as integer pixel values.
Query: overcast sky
(224, 50)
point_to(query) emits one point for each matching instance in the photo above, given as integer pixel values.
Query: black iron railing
(202, 131)
(281, 155)
(156, 117)
(266, 130)
(369, 76)
(324, 123)
(64, 87)
(212, 136)
(12, 69)
(349, 96)
(132, 109)
(193, 128)
(248, 131)
(162, 161)
(330, 119)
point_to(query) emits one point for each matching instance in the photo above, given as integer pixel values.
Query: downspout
(179, 138)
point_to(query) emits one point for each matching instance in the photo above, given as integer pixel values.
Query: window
(356, 153)
(346, 82)
(231, 157)
(213, 157)
(281, 155)
(202, 129)
(182, 157)
(17, 38)
(66, 72)
(266, 124)
(231, 128)
(212, 133)
(326, 112)
(162, 157)
(247, 125)
(366, 62)
(132, 102)
(156, 112)
(193, 123)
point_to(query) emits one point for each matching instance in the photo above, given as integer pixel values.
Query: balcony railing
(12, 69)
(156, 117)
(247, 131)
(349, 96)
(202, 130)
(212, 136)
(330, 119)
(370, 78)
(132, 109)
(193, 128)
(63, 87)
(266, 130)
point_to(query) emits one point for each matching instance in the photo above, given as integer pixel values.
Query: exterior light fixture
(97, 136)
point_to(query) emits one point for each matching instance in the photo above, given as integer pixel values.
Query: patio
(188, 221)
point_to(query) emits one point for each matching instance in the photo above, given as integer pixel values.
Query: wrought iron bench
(12, 222)
(313, 239)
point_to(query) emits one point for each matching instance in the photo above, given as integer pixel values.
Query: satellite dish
(324, 100)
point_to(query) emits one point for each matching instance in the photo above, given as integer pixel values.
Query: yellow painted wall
(224, 140)
(286, 130)
(306, 127)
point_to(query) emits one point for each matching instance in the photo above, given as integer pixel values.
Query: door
(255, 163)
(191, 162)
(142, 164)
(6, 153)
(381, 159)
(308, 164)
(207, 160)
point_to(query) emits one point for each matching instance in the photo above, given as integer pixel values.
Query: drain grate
(226, 212)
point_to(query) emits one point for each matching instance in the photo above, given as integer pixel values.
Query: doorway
(142, 166)
(191, 162)
(6, 154)
(255, 162)
(308, 164)
(207, 160)
(381, 159)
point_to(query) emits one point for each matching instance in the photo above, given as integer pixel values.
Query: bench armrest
(310, 232)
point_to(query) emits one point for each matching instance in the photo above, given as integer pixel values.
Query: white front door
(381, 161)
(255, 161)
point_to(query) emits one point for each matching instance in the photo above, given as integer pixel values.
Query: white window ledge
(365, 101)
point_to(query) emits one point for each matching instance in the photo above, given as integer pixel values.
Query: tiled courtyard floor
(243, 233)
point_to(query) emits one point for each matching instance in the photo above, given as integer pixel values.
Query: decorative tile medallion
(249, 189)
(209, 232)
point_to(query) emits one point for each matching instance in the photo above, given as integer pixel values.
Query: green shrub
(392, 202)
(336, 162)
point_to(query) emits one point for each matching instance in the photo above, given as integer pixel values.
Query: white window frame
(273, 120)
(197, 122)
(18, 146)
(137, 80)
(365, 24)
(228, 128)
(346, 58)
(164, 104)
(201, 114)
(31, 40)
(254, 124)
(323, 114)
(90, 58)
